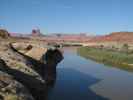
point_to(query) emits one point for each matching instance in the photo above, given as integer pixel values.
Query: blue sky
(67, 16)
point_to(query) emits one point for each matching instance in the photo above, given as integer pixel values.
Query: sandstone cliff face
(23, 71)
(115, 37)
(31, 50)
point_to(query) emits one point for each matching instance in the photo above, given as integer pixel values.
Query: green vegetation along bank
(113, 58)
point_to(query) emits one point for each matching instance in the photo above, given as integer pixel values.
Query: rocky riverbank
(26, 72)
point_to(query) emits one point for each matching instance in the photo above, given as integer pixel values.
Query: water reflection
(73, 85)
(83, 79)
(49, 88)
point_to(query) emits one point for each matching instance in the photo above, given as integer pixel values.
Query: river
(82, 79)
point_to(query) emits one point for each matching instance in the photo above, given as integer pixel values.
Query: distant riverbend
(113, 58)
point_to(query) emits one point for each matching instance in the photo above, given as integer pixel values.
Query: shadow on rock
(51, 58)
(46, 70)
(36, 87)
(46, 67)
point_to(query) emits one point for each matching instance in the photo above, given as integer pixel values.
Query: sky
(67, 16)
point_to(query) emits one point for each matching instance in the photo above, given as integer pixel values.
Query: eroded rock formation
(32, 74)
